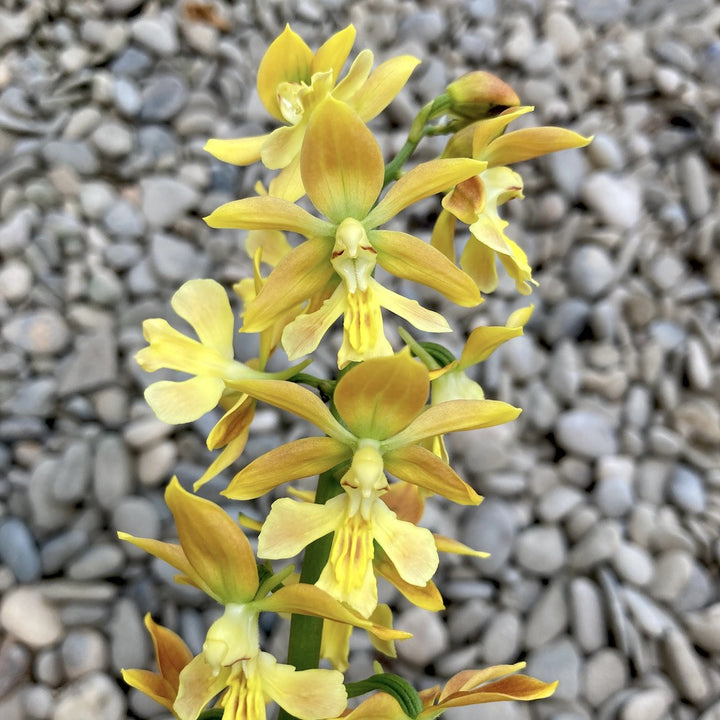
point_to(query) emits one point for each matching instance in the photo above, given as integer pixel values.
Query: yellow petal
(171, 653)
(383, 616)
(282, 146)
(448, 545)
(287, 184)
(200, 682)
(379, 706)
(427, 596)
(422, 181)
(333, 53)
(466, 200)
(182, 402)
(517, 267)
(478, 261)
(152, 685)
(452, 416)
(305, 599)
(417, 465)
(483, 341)
(341, 164)
(288, 59)
(305, 694)
(515, 687)
(299, 275)
(529, 143)
(294, 460)
(335, 644)
(214, 545)
(268, 213)
(356, 77)
(406, 501)
(411, 549)
(379, 397)
(443, 235)
(410, 310)
(520, 317)
(485, 131)
(363, 328)
(303, 335)
(469, 679)
(383, 85)
(299, 401)
(237, 151)
(409, 257)
(205, 305)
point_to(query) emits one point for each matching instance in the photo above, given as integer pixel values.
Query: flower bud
(475, 94)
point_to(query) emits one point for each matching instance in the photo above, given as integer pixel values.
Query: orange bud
(475, 94)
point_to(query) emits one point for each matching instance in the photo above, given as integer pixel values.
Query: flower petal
(299, 401)
(448, 545)
(478, 261)
(341, 164)
(515, 687)
(303, 335)
(417, 465)
(305, 694)
(529, 143)
(205, 305)
(200, 682)
(380, 89)
(408, 257)
(426, 596)
(422, 181)
(469, 679)
(305, 271)
(443, 235)
(379, 397)
(485, 131)
(268, 213)
(287, 59)
(214, 545)
(287, 184)
(483, 341)
(171, 652)
(282, 146)
(333, 53)
(298, 459)
(452, 416)
(182, 402)
(237, 151)
(411, 549)
(153, 685)
(410, 310)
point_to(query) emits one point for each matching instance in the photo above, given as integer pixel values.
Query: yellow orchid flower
(215, 556)
(475, 201)
(292, 81)
(469, 687)
(381, 403)
(249, 685)
(172, 656)
(342, 170)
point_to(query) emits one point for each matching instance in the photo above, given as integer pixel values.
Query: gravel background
(603, 500)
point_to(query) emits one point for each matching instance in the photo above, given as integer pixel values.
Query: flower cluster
(383, 415)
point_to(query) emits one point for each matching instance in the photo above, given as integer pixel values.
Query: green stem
(326, 387)
(305, 631)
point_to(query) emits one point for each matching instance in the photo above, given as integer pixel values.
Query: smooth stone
(96, 198)
(165, 200)
(592, 271)
(559, 661)
(157, 34)
(113, 139)
(617, 200)
(429, 640)
(47, 667)
(557, 502)
(93, 365)
(100, 561)
(38, 702)
(16, 280)
(501, 640)
(548, 616)
(649, 617)
(604, 674)
(27, 616)
(73, 473)
(491, 527)
(155, 464)
(614, 496)
(634, 564)
(695, 185)
(47, 513)
(137, 516)
(15, 661)
(587, 433)
(57, 551)
(73, 153)
(174, 259)
(699, 365)
(687, 490)
(672, 572)
(93, 696)
(602, 12)
(163, 97)
(600, 543)
(84, 651)
(19, 551)
(541, 550)
(40, 332)
(112, 475)
(129, 641)
(650, 704)
(684, 667)
(587, 614)
(562, 32)
(124, 218)
(704, 628)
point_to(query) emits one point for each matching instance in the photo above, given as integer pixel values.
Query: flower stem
(305, 631)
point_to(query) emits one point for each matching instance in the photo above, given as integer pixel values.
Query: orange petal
(294, 460)
(171, 652)
(487, 130)
(529, 143)
(341, 164)
(152, 685)
(379, 397)
(380, 89)
(214, 545)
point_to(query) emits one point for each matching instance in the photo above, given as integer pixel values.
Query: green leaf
(394, 685)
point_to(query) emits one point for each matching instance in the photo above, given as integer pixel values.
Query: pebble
(27, 616)
(166, 200)
(95, 695)
(672, 572)
(592, 271)
(587, 614)
(73, 473)
(650, 704)
(41, 332)
(19, 551)
(491, 527)
(174, 259)
(429, 640)
(113, 139)
(15, 661)
(83, 651)
(684, 667)
(93, 365)
(124, 219)
(559, 661)
(155, 463)
(687, 490)
(163, 97)
(600, 543)
(56, 552)
(15, 280)
(695, 184)
(605, 673)
(616, 200)
(548, 617)
(102, 560)
(501, 639)
(587, 433)
(157, 34)
(541, 550)
(129, 642)
(633, 564)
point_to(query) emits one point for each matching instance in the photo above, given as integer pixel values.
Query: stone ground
(603, 500)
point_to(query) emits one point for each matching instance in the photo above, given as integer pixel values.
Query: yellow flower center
(244, 697)
(289, 97)
(353, 257)
(233, 636)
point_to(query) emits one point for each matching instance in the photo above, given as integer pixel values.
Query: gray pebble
(617, 200)
(94, 695)
(124, 218)
(614, 496)
(16, 280)
(41, 332)
(672, 572)
(541, 550)
(19, 551)
(128, 637)
(93, 365)
(174, 259)
(166, 200)
(113, 139)
(112, 472)
(684, 667)
(27, 616)
(605, 673)
(602, 12)
(633, 564)
(491, 527)
(84, 651)
(155, 463)
(647, 615)
(704, 628)
(686, 490)
(600, 543)
(548, 616)
(587, 433)
(36, 397)
(74, 153)
(137, 516)
(157, 34)
(96, 198)
(15, 662)
(132, 61)
(696, 187)
(163, 98)
(47, 513)
(73, 473)
(501, 640)
(57, 551)
(587, 614)
(649, 704)
(559, 661)
(128, 99)
(429, 640)
(699, 366)
(102, 560)
(592, 271)
(557, 502)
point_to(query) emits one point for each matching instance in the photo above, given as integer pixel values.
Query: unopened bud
(476, 94)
